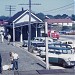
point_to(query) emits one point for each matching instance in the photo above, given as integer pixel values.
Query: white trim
(25, 13)
(19, 16)
(36, 17)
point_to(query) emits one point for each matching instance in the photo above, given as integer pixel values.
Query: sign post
(47, 59)
(13, 34)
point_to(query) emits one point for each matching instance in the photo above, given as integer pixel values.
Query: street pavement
(28, 64)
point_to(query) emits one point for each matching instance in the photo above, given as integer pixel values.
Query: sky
(48, 7)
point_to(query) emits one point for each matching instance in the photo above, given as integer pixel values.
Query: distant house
(59, 22)
(64, 22)
(20, 21)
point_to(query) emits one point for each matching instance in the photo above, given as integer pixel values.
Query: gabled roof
(15, 16)
(21, 14)
(66, 20)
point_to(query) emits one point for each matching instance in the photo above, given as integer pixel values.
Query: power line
(59, 7)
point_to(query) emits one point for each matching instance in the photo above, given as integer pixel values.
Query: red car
(53, 34)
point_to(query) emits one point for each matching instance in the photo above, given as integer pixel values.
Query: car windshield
(60, 48)
(61, 51)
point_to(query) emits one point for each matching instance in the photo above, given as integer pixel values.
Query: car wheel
(64, 64)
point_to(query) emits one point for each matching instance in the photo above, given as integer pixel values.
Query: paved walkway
(28, 64)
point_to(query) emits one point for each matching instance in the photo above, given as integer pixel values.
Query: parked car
(53, 34)
(61, 54)
(67, 32)
(35, 42)
(39, 42)
(38, 45)
(43, 39)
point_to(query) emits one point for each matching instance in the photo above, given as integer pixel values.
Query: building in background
(57, 24)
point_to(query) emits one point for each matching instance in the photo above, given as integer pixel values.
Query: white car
(65, 59)
(43, 39)
(63, 55)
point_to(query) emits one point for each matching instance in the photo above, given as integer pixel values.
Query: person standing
(2, 37)
(0, 64)
(15, 61)
(11, 59)
(9, 38)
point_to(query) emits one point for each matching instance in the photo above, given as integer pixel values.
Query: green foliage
(64, 16)
(73, 17)
(50, 16)
(41, 16)
(3, 18)
(73, 27)
(58, 17)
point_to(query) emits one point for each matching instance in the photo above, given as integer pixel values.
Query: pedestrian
(15, 61)
(11, 59)
(0, 64)
(2, 37)
(9, 38)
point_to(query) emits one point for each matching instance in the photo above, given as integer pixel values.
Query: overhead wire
(59, 7)
(63, 9)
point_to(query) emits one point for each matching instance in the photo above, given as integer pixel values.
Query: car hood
(70, 57)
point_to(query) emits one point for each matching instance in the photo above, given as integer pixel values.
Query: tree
(41, 16)
(73, 17)
(73, 27)
(64, 16)
(58, 17)
(3, 18)
(50, 16)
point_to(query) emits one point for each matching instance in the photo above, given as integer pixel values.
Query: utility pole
(29, 25)
(74, 7)
(74, 14)
(10, 8)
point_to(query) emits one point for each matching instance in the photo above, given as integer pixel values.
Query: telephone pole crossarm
(10, 8)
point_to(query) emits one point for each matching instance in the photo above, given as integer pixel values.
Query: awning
(23, 24)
